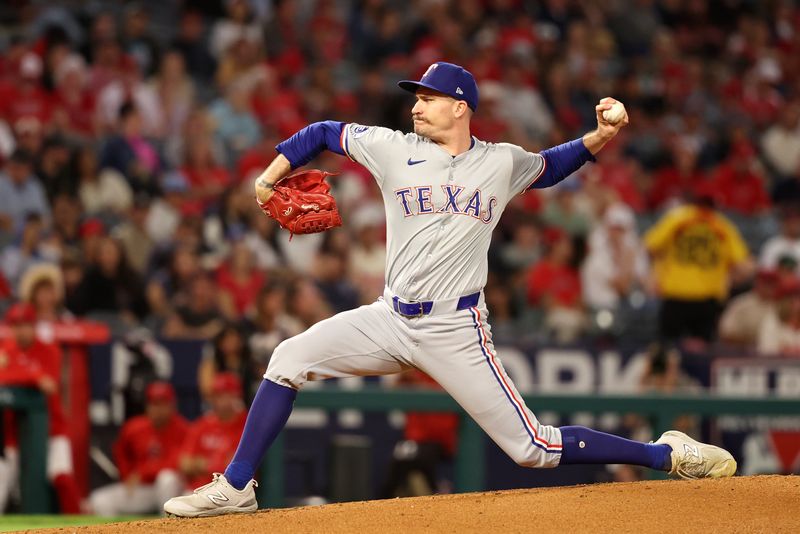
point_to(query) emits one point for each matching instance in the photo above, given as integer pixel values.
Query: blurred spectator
(199, 317)
(165, 212)
(271, 324)
(616, 263)
(25, 98)
(678, 181)
(138, 43)
(663, 374)
(74, 103)
(239, 282)
(554, 285)
(228, 352)
(111, 287)
(238, 24)
(192, 46)
(306, 303)
(779, 334)
(742, 320)
(367, 258)
(175, 93)
(523, 105)
(30, 362)
(739, 183)
(330, 276)
(146, 455)
(207, 179)
(66, 227)
(786, 244)
(53, 168)
(169, 285)
(524, 248)
(20, 194)
(27, 251)
(236, 128)
(562, 210)
(780, 143)
(620, 174)
(102, 192)
(131, 154)
(133, 237)
(428, 439)
(697, 252)
(212, 439)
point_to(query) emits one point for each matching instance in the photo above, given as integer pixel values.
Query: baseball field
(741, 504)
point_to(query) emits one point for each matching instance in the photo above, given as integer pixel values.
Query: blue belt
(417, 309)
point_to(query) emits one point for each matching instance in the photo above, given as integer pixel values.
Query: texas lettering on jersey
(419, 201)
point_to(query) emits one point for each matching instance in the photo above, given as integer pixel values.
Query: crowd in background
(130, 137)
(129, 146)
(130, 134)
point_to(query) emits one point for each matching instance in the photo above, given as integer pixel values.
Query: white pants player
(120, 499)
(454, 347)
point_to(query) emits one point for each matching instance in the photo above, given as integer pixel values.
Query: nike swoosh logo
(410, 162)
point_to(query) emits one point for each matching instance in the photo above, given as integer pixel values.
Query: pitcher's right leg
(358, 342)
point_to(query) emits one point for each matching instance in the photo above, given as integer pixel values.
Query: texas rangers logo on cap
(453, 80)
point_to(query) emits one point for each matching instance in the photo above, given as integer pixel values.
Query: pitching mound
(741, 504)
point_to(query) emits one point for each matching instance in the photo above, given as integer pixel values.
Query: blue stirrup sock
(582, 445)
(267, 417)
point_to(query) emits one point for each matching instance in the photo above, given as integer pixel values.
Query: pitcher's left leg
(456, 351)
(472, 373)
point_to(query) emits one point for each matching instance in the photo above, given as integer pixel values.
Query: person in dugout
(212, 439)
(429, 438)
(146, 453)
(27, 361)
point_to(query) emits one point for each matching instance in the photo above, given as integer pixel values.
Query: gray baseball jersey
(440, 213)
(440, 210)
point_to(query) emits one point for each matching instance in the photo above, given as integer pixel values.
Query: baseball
(614, 114)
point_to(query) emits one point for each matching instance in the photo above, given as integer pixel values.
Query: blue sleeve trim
(309, 142)
(561, 161)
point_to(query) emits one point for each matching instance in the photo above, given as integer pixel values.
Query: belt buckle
(421, 311)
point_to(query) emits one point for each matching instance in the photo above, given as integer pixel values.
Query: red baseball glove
(302, 203)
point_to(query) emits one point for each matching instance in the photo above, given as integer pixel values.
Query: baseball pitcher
(444, 192)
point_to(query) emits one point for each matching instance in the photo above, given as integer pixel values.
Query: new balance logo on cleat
(691, 449)
(217, 498)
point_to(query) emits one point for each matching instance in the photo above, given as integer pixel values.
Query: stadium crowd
(130, 133)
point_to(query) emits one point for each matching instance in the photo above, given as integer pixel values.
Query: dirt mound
(741, 504)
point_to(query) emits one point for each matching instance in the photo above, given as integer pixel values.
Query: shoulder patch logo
(358, 130)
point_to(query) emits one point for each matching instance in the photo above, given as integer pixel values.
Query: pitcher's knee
(535, 457)
(288, 364)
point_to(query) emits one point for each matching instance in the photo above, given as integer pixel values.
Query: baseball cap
(160, 392)
(452, 80)
(174, 182)
(226, 383)
(22, 312)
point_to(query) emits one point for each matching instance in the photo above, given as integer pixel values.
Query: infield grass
(10, 523)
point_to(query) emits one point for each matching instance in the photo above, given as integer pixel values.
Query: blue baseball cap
(452, 80)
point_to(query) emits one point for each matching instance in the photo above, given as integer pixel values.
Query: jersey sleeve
(374, 147)
(526, 168)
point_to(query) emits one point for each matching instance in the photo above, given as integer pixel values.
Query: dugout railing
(31, 413)
(661, 410)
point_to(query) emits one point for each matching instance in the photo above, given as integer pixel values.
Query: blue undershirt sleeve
(309, 142)
(561, 161)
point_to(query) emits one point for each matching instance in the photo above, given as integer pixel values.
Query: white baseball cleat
(217, 497)
(692, 459)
